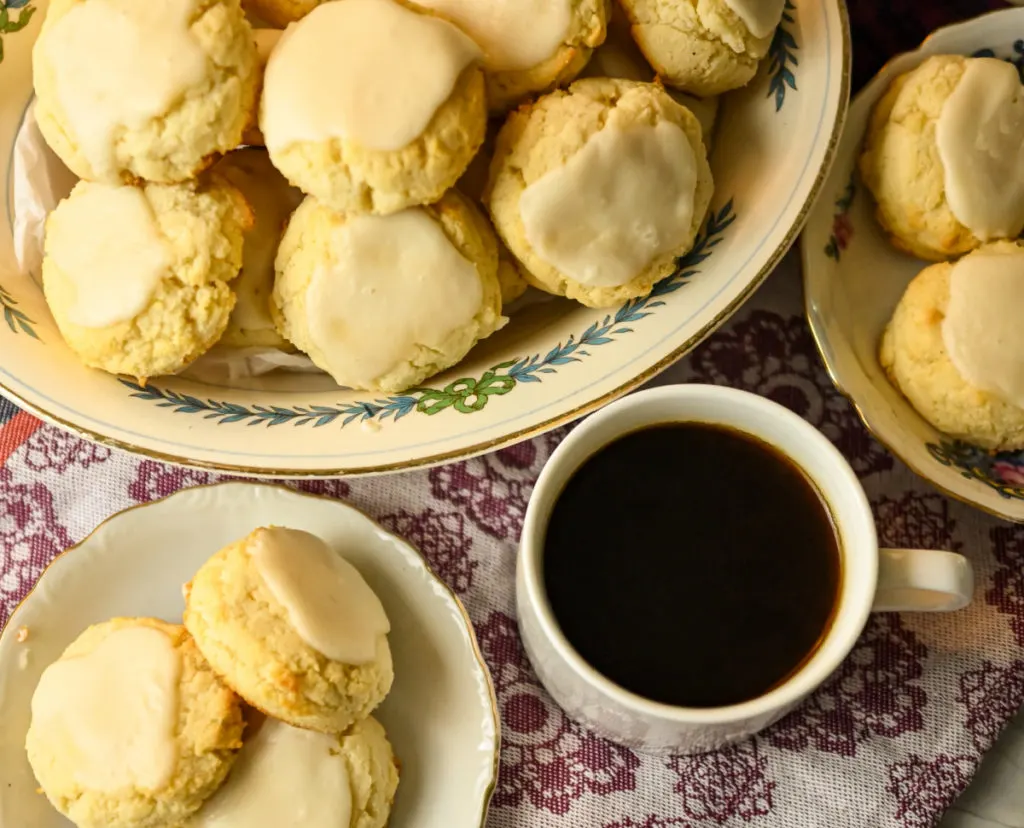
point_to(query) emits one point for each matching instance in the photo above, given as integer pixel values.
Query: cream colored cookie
(383, 302)
(333, 782)
(131, 728)
(902, 166)
(272, 200)
(251, 633)
(473, 184)
(373, 107)
(136, 277)
(915, 357)
(530, 46)
(704, 47)
(598, 189)
(152, 91)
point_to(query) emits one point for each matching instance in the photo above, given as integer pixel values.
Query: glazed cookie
(151, 91)
(955, 346)
(293, 628)
(335, 782)
(601, 211)
(705, 47)
(943, 156)
(272, 200)
(130, 728)
(529, 46)
(383, 302)
(136, 277)
(373, 107)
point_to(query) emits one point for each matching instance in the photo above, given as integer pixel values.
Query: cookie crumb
(22, 635)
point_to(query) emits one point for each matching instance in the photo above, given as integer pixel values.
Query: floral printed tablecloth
(890, 741)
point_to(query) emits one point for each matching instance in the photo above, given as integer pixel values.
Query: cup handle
(922, 580)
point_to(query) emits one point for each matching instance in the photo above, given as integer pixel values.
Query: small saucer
(853, 278)
(441, 715)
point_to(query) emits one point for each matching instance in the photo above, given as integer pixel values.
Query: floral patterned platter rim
(442, 714)
(556, 362)
(853, 279)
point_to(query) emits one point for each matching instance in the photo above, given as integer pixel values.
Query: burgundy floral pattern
(1007, 591)
(30, 537)
(442, 538)
(547, 760)
(992, 696)
(50, 449)
(718, 787)
(775, 356)
(875, 692)
(915, 521)
(325, 488)
(651, 822)
(924, 789)
(156, 480)
(493, 490)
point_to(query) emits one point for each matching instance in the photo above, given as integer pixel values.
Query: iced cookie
(293, 628)
(291, 778)
(529, 46)
(272, 200)
(601, 211)
(373, 107)
(130, 728)
(705, 47)
(943, 156)
(383, 302)
(143, 90)
(955, 346)
(137, 277)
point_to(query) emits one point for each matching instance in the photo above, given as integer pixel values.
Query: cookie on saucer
(293, 629)
(151, 91)
(373, 107)
(943, 156)
(137, 277)
(955, 346)
(601, 211)
(131, 728)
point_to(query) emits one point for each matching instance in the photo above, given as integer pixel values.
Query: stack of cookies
(393, 123)
(256, 712)
(945, 162)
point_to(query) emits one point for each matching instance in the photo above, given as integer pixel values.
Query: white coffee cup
(873, 579)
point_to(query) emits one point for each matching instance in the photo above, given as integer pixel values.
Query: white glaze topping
(272, 200)
(106, 243)
(978, 135)
(113, 713)
(514, 34)
(120, 63)
(759, 16)
(622, 200)
(370, 71)
(283, 778)
(395, 283)
(327, 601)
(982, 329)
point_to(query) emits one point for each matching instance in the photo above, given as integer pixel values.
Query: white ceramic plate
(441, 715)
(853, 278)
(555, 362)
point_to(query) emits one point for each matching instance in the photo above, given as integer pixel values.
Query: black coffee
(692, 565)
